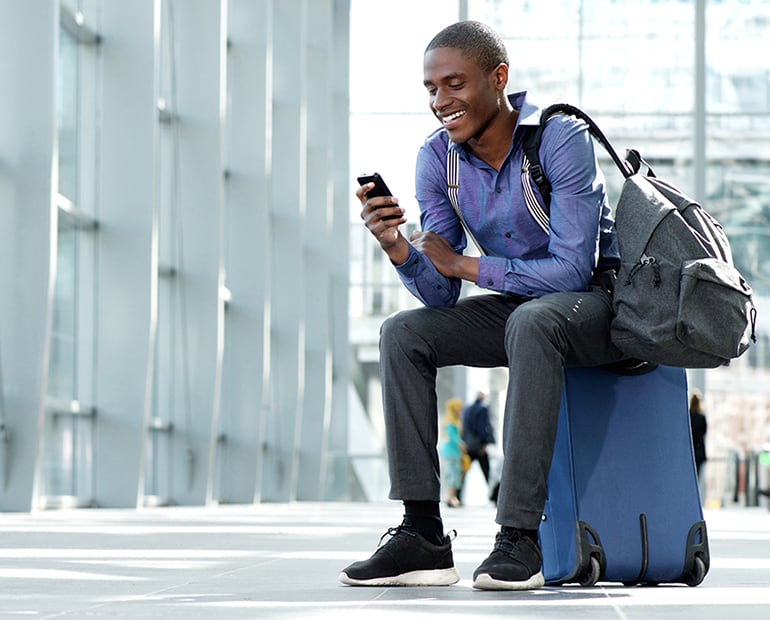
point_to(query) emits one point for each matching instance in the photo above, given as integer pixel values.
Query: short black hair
(476, 41)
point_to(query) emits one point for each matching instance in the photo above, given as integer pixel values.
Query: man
(546, 310)
(478, 432)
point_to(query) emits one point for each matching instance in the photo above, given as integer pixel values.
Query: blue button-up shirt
(522, 258)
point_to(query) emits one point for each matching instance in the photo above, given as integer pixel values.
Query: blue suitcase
(623, 502)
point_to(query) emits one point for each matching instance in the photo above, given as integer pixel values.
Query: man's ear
(500, 76)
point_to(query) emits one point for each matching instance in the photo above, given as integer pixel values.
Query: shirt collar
(529, 114)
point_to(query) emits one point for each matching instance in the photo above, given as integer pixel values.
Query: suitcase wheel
(592, 574)
(697, 559)
(698, 572)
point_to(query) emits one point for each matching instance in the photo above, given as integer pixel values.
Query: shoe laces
(408, 529)
(404, 528)
(508, 542)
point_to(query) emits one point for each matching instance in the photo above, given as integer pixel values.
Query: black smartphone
(379, 189)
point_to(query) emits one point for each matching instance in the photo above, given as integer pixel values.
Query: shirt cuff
(491, 272)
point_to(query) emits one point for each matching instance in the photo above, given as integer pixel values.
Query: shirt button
(499, 190)
(490, 282)
(530, 293)
(508, 235)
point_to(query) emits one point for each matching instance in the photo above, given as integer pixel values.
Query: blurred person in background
(451, 451)
(699, 428)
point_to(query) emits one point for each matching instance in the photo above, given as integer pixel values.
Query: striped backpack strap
(531, 170)
(453, 188)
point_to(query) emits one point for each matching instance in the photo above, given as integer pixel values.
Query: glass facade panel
(67, 115)
(738, 130)
(739, 75)
(63, 360)
(739, 196)
(59, 461)
(68, 440)
(68, 458)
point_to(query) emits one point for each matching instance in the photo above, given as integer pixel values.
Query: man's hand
(373, 212)
(443, 256)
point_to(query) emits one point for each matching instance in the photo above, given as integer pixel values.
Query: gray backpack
(678, 298)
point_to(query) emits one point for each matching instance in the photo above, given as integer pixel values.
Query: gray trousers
(535, 339)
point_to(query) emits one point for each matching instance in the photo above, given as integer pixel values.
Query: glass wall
(68, 424)
(174, 228)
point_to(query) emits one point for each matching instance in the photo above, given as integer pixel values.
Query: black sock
(510, 532)
(425, 517)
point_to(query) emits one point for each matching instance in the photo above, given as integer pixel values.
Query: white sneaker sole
(486, 582)
(439, 577)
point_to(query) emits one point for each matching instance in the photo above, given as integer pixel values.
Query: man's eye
(456, 85)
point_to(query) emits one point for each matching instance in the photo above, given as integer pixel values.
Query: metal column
(248, 252)
(200, 59)
(288, 294)
(127, 248)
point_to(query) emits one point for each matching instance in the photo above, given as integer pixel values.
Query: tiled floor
(282, 560)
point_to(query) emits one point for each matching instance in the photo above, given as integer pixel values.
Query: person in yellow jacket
(451, 451)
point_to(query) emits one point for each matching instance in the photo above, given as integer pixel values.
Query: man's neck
(493, 145)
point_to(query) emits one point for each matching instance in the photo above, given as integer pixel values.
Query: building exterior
(173, 191)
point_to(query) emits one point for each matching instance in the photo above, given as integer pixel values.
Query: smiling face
(465, 98)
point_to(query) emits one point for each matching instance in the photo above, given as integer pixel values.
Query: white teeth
(451, 117)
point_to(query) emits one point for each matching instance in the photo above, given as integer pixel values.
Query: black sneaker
(514, 564)
(406, 559)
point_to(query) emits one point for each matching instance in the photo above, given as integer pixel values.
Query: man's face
(463, 97)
